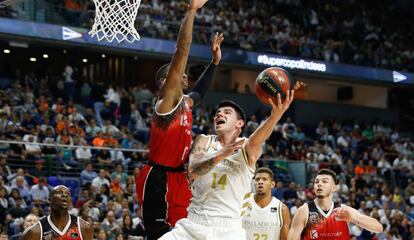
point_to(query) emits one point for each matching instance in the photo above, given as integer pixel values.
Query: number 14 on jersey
(219, 180)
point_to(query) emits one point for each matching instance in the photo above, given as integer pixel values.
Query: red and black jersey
(72, 230)
(321, 225)
(171, 135)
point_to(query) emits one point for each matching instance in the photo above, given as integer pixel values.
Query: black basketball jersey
(49, 231)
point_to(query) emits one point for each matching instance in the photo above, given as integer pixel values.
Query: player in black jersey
(59, 225)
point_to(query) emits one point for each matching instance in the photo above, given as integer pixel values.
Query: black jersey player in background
(59, 225)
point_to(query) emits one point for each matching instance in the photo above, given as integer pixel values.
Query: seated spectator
(99, 139)
(23, 190)
(83, 154)
(29, 221)
(88, 174)
(290, 193)
(100, 180)
(92, 129)
(15, 215)
(4, 204)
(110, 225)
(116, 185)
(35, 173)
(39, 193)
(278, 192)
(31, 150)
(104, 157)
(65, 158)
(119, 171)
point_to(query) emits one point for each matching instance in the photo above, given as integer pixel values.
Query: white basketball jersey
(220, 192)
(262, 223)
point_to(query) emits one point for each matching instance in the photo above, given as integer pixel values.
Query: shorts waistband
(214, 221)
(166, 168)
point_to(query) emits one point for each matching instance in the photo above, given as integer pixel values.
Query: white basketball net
(114, 19)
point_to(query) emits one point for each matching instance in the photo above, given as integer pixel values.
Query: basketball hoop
(114, 19)
(6, 3)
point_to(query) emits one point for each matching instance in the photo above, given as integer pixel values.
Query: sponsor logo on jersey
(74, 236)
(48, 235)
(273, 209)
(314, 234)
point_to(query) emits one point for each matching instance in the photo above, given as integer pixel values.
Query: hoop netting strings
(6, 3)
(114, 19)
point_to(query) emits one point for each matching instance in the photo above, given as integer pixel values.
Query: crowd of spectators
(374, 161)
(339, 31)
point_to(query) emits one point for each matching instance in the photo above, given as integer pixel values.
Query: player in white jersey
(264, 217)
(221, 168)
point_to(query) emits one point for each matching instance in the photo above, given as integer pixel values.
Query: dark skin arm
(31, 233)
(172, 90)
(86, 230)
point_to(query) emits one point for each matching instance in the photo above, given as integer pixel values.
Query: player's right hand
(197, 4)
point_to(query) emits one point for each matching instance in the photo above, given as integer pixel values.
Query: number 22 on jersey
(219, 180)
(260, 236)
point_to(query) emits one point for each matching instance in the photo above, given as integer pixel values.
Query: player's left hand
(215, 47)
(279, 108)
(345, 214)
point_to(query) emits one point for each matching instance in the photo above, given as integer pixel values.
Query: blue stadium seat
(74, 186)
(54, 181)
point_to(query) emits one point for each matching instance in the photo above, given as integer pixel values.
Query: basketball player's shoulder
(33, 232)
(202, 142)
(304, 209)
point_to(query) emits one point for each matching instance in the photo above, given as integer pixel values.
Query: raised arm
(201, 86)
(298, 223)
(352, 215)
(201, 162)
(263, 132)
(172, 90)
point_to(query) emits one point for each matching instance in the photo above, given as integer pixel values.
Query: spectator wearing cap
(39, 193)
(35, 173)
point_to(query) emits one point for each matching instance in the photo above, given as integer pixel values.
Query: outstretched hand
(215, 47)
(196, 4)
(345, 214)
(232, 146)
(279, 108)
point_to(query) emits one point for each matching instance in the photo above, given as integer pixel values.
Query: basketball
(272, 81)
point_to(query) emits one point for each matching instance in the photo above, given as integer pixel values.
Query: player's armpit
(298, 223)
(286, 222)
